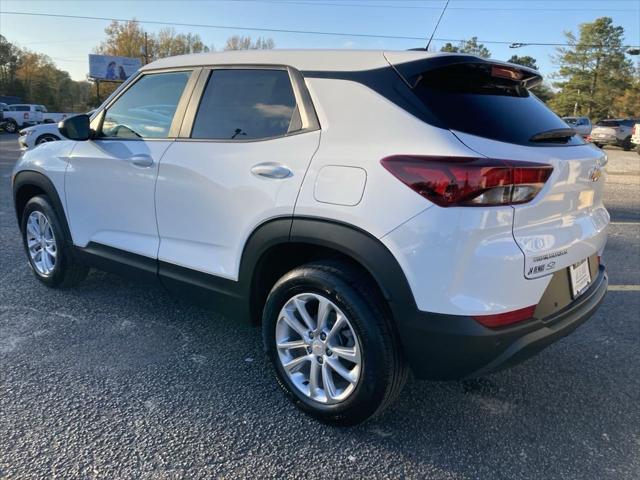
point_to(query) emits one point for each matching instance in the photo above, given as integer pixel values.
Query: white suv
(374, 211)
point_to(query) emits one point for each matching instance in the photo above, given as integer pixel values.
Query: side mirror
(76, 127)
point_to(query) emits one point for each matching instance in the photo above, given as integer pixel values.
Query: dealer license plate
(580, 277)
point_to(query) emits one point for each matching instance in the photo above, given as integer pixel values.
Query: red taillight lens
(462, 181)
(633, 130)
(507, 318)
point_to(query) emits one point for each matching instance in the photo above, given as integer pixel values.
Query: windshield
(608, 123)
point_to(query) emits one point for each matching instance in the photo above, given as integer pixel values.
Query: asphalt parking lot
(119, 380)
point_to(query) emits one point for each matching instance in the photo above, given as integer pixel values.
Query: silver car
(613, 132)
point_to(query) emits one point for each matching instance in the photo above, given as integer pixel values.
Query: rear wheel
(332, 343)
(626, 144)
(47, 247)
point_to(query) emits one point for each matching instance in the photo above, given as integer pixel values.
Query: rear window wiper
(555, 134)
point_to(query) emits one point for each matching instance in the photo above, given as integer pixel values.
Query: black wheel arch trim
(31, 178)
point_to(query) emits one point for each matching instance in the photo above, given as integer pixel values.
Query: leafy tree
(167, 43)
(238, 42)
(125, 39)
(594, 70)
(525, 61)
(471, 47)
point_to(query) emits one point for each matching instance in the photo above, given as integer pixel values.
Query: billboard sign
(116, 69)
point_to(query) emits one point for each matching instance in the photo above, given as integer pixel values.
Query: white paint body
(199, 202)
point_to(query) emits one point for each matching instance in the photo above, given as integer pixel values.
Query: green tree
(594, 70)
(471, 47)
(238, 42)
(525, 61)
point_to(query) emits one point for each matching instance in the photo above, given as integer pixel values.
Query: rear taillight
(463, 181)
(633, 130)
(507, 318)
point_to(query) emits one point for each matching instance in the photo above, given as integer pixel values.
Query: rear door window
(467, 98)
(246, 104)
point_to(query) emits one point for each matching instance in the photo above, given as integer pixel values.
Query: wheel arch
(28, 184)
(280, 245)
(47, 135)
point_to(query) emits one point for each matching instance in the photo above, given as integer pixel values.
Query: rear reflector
(464, 181)
(507, 318)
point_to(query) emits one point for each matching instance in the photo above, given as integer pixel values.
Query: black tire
(626, 144)
(47, 137)
(11, 126)
(638, 149)
(66, 271)
(383, 368)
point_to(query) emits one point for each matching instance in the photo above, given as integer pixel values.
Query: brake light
(506, 72)
(507, 318)
(633, 130)
(464, 181)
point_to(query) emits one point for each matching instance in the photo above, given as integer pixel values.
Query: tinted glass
(608, 123)
(246, 105)
(469, 99)
(20, 108)
(147, 108)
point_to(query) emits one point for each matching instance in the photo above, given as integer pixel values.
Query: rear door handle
(271, 170)
(141, 160)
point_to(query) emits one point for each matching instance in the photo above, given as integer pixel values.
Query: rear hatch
(489, 107)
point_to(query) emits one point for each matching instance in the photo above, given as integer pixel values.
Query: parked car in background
(581, 125)
(614, 131)
(35, 135)
(19, 116)
(373, 211)
(635, 137)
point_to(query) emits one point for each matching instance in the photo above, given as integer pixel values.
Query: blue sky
(68, 41)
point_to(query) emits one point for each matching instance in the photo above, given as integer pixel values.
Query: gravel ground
(119, 380)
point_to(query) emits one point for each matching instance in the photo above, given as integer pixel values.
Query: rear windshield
(608, 123)
(467, 98)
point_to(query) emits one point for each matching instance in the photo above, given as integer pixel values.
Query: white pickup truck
(14, 117)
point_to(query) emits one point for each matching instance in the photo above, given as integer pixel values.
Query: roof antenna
(436, 27)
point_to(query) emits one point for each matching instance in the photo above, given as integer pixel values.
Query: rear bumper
(449, 347)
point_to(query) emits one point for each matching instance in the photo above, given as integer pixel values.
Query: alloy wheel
(318, 348)
(41, 243)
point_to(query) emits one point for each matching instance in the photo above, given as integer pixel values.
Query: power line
(426, 7)
(282, 30)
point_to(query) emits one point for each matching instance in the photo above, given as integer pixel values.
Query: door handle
(271, 170)
(141, 160)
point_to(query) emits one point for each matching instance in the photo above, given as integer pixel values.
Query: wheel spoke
(293, 322)
(341, 370)
(296, 363)
(289, 344)
(348, 353)
(324, 308)
(301, 306)
(314, 377)
(340, 322)
(327, 382)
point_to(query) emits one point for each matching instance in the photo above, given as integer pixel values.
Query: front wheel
(11, 126)
(47, 137)
(47, 247)
(332, 344)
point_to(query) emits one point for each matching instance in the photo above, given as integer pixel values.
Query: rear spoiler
(411, 71)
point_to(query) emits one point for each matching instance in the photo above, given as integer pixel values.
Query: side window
(147, 108)
(246, 104)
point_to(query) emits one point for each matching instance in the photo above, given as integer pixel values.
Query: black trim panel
(120, 262)
(30, 178)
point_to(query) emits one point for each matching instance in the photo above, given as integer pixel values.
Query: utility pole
(146, 48)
